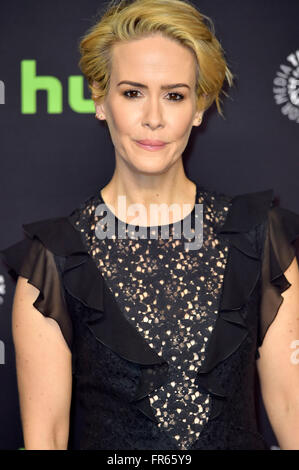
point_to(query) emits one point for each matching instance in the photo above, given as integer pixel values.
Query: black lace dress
(164, 332)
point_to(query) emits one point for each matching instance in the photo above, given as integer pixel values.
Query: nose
(153, 116)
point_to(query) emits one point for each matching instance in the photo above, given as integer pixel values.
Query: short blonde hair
(126, 20)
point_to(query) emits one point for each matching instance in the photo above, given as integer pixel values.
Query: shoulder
(243, 212)
(57, 235)
(60, 235)
(47, 238)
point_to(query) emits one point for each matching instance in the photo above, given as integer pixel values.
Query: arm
(44, 372)
(278, 366)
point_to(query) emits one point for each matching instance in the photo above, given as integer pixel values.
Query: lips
(151, 147)
(152, 143)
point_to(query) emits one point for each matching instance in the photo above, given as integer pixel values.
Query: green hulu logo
(31, 83)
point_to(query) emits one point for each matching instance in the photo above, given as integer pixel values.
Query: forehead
(154, 57)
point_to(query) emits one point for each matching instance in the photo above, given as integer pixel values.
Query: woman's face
(149, 112)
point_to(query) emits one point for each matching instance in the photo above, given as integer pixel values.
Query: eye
(130, 91)
(179, 95)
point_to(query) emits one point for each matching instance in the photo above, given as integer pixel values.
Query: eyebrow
(163, 87)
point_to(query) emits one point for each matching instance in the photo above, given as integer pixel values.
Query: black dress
(164, 333)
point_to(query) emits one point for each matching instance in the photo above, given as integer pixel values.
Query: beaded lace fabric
(170, 294)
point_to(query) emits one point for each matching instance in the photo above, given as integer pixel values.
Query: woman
(161, 341)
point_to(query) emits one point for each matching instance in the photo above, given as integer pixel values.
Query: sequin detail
(171, 295)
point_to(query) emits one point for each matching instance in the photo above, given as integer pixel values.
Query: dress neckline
(151, 227)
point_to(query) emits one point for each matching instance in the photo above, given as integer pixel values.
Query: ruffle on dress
(250, 214)
(281, 247)
(33, 258)
(34, 261)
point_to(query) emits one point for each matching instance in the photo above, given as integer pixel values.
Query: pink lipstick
(151, 145)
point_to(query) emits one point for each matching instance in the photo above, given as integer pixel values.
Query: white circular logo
(286, 87)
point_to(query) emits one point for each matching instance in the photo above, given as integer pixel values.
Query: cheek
(180, 118)
(181, 125)
(122, 119)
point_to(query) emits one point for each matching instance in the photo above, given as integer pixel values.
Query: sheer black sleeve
(281, 238)
(32, 260)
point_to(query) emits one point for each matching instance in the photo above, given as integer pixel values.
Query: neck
(164, 189)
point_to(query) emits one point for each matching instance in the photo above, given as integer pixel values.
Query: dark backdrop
(54, 153)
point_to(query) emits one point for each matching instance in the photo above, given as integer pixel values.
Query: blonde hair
(126, 20)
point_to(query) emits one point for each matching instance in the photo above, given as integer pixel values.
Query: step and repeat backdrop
(54, 153)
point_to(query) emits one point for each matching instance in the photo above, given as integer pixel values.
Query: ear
(100, 110)
(198, 118)
(99, 106)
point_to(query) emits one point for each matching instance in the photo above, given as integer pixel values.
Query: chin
(150, 167)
